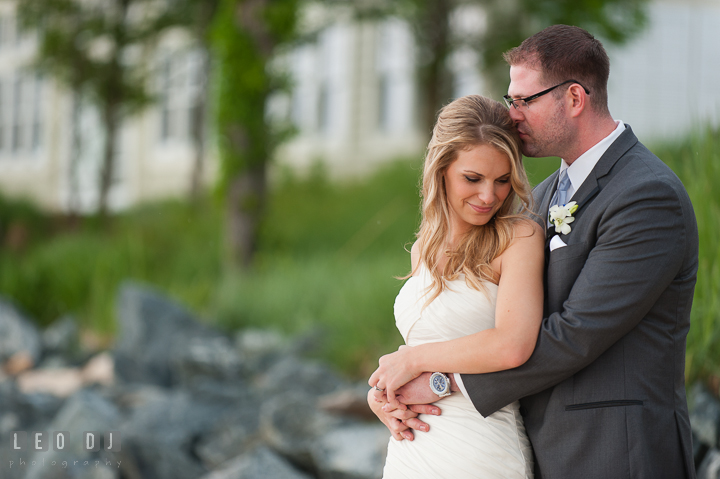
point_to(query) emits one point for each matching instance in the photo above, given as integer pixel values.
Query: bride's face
(477, 183)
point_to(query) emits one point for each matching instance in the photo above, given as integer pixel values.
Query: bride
(472, 303)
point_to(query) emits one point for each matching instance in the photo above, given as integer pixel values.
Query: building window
(324, 107)
(21, 114)
(181, 78)
(3, 117)
(384, 101)
(7, 31)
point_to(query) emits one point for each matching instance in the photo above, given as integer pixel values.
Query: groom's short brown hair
(563, 52)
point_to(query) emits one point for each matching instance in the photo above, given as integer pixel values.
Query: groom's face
(542, 125)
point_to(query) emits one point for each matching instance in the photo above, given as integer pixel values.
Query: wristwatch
(440, 384)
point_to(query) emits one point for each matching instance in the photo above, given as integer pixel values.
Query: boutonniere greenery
(562, 216)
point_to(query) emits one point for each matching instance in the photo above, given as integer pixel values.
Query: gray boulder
(61, 337)
(259, 463)
(164, 427)
(17, 333)
(290, 423)
(710, 467)
(162, 343)
(233, 436)
(705, 416)
(260, 348)
(292, 375)
(84, 411)
(352, 452)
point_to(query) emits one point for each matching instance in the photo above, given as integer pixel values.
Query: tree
(246, 35)
(506, 24)
(92, 47)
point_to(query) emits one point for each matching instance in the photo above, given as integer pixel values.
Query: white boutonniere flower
(562, 216)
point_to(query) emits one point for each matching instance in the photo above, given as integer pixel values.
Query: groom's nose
(516, 114)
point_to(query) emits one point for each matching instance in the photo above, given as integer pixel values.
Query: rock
(17, 333)
(207, 357)
(260, 463)
(161, 342)
(61, 382)
(163, 428)
(61, 337)
(705, 416)
(348, 402)
(99, 370)
(290, 423)
(18, 362)
(231, 438)
(259, 348)
(36, 410)
(352, 452)
(699, 450)
(292, 375)
(710, 466)
(84, 411)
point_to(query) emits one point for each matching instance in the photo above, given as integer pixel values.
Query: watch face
(439, 383)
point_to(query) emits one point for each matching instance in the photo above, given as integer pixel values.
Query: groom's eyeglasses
(522, 103)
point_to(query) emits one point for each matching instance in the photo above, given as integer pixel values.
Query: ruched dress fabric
(461, 443)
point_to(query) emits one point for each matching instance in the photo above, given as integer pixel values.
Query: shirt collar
(581, 168)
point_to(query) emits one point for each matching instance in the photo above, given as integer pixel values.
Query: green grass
(327, 259)
(697, 162)
(78, 269)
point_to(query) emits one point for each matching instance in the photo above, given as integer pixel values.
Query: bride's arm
(518, 314)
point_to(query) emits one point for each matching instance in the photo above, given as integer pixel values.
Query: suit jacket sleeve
(639, 249)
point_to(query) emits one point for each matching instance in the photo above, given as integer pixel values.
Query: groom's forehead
(524, 81)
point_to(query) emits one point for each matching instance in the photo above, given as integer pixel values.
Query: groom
(603, 394)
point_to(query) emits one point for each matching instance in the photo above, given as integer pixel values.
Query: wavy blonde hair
(461, 125)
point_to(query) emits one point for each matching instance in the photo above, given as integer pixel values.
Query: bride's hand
(395, 370)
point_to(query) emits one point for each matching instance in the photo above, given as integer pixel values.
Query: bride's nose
(486, 194)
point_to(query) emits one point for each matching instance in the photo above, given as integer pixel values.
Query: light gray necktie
(560, 197)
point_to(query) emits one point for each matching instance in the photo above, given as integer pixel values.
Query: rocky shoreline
(185, 401)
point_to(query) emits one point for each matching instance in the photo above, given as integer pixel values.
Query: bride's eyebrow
(480, 174)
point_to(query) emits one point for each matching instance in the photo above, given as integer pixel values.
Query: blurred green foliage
(328, 257)
(697, 162)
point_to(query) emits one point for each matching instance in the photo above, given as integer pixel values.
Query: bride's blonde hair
(463, 124)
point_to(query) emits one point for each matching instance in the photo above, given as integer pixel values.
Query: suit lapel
(545, 203)
(593, 183)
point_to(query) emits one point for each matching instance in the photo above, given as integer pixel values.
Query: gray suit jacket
(603, 393)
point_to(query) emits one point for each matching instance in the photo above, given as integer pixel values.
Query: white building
(353, 104)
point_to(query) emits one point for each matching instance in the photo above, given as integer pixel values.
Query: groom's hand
(417, 391)
(400, 422)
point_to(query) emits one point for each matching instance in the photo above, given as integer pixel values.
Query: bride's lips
(482, 210)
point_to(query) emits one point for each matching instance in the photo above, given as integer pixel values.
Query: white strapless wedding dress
(461, 443)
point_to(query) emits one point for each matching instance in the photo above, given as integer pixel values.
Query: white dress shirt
(578, 171)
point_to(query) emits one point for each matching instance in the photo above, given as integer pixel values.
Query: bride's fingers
(390, 408)
(392, 400)
(379, 395)
(374, 378)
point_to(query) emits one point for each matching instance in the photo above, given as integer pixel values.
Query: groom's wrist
(453, 383)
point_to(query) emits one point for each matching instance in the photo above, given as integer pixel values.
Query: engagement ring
(377, 388)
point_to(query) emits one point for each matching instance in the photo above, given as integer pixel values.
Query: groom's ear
(577, 99)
